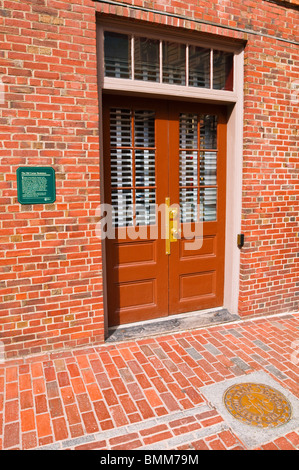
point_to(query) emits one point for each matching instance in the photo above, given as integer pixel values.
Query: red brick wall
(269, 269)
(50, 268)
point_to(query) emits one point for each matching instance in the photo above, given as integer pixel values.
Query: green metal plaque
(36, 185)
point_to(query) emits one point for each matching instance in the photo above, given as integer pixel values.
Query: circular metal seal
(257, 405)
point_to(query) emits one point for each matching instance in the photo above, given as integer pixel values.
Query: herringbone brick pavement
(144, 394)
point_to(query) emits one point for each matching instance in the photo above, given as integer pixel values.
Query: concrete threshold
(170, 324)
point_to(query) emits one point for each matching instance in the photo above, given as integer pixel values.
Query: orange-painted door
(197, 170)
(154, 150)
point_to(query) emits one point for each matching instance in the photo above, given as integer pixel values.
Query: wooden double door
(164, 177)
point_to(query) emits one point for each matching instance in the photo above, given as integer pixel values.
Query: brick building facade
(52, 264)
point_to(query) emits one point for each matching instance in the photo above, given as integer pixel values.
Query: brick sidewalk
(145, 394)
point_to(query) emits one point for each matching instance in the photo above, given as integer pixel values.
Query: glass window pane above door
(146, 59)
(174, 63)
(199, 67)
(161, 62)
(223, 70)
(117, 52)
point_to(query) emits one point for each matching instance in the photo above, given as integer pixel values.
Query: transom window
(137, 57)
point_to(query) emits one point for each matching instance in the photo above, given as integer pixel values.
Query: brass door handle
(172, 231)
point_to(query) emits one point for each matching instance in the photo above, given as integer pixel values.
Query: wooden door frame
(235, 109)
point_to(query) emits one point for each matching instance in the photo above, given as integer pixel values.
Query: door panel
(208, 248)
(197, 285)
(135, 165)
(138, 293)
(197, 176)
(141, 252)
(155, 150)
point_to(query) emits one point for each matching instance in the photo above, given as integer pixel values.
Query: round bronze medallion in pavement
(257, 405)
